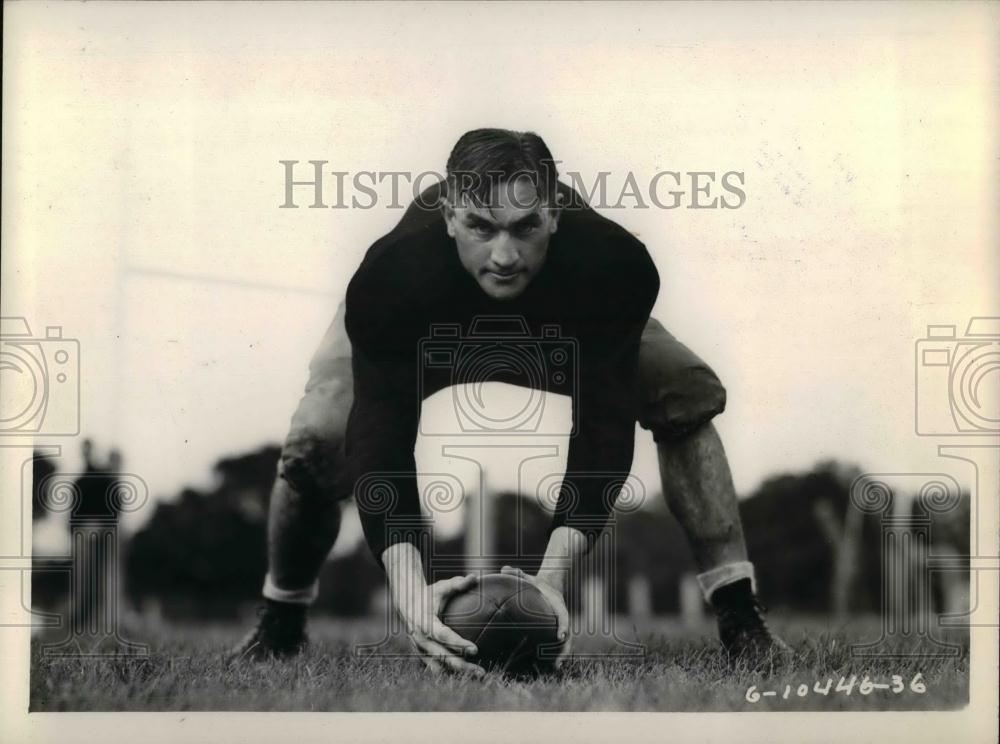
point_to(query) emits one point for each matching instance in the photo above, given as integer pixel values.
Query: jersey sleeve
(606, 404)
(382, 425)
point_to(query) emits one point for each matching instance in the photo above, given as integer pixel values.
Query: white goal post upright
(480, 529)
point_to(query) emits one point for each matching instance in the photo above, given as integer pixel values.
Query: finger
(563, 652)
(430, 661)
(432, 664)
(446, 587)
(512, 571)
(558, 605)
(449, 661)
(442, 590)
(562, 615)
(459, 665)
(461, 583)
(447, 637)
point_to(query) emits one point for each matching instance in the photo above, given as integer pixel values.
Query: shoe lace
(278, 624)
(749, 615)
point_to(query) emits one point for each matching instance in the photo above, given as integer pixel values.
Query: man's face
(503, 245)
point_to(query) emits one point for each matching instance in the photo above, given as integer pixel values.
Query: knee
(311, 459)
(684, 404)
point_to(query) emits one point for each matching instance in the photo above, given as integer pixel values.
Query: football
(511, 622)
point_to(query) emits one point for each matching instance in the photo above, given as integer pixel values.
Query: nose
(504, 256)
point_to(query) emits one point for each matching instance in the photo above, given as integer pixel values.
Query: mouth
(503, 277)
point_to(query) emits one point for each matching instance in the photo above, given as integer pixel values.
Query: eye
(527, 229)
(481, 228)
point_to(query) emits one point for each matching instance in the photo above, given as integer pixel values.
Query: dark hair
(483, 158)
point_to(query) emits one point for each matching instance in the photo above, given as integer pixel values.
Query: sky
(143, 184)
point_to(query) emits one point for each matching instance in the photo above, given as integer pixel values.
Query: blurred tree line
(203, 554)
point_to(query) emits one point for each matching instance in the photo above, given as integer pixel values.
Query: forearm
(562, 555)
(405, 570)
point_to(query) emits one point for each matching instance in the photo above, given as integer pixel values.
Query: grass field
(679, 670)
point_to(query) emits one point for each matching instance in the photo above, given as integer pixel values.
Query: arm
(381, 470)
(380, 437)
(604, 414)
(604, 442)
(606, 403)
(419, 604)
(562, 556)
(382, 425)
(600, 454)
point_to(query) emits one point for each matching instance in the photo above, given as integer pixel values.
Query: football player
(507, 239)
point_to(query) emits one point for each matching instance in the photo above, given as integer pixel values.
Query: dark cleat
(744, 634)
(280, 633)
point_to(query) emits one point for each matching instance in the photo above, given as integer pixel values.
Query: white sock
(727, 573)
(306, 595)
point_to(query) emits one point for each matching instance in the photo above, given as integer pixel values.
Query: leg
(304, 515)
(680, 396)
(301, 530)
(698, 487)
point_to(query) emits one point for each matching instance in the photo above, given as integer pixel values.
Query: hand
(439, 646)
(554, 594)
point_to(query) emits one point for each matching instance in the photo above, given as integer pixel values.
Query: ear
(448, 212)
(555, 212)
